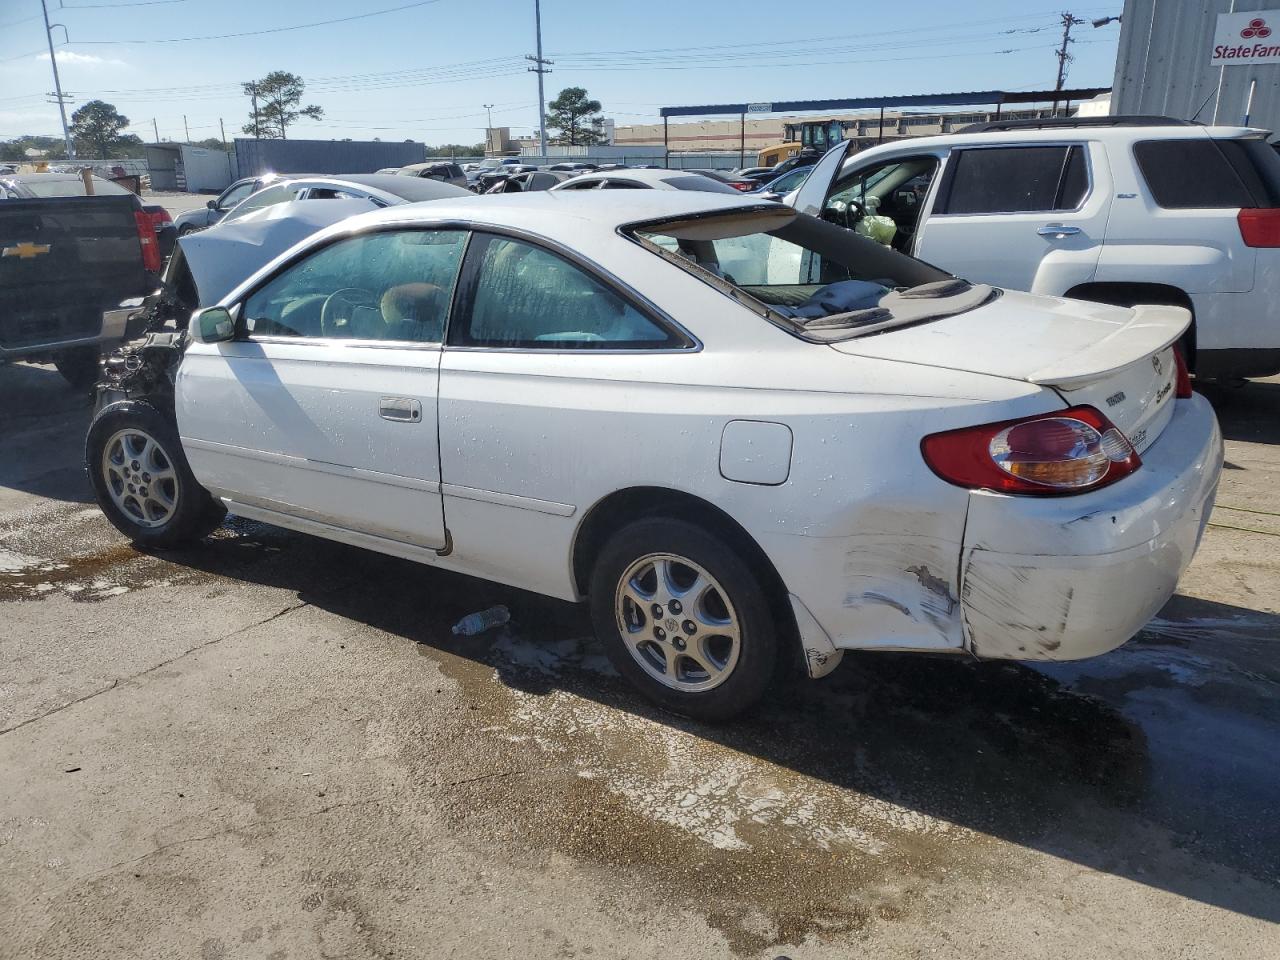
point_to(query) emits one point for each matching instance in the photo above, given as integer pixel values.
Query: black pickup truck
(69, 267)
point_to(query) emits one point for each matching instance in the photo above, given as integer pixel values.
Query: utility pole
(1069, 20)
(540, 67)
(57, 83)
(185, 128)
(223, 130)
(253, 94)
(156, 128)
(488, 131)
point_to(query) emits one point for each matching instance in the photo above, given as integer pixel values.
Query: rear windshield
(1190, 174)
(72, 187)
(810, 277)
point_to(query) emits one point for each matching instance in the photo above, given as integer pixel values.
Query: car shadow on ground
(43, 422)
(1250, 412)
(1154, 766)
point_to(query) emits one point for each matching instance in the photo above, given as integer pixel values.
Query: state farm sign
(1244, 38)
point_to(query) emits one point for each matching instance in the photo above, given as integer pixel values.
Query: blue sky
(423, 72)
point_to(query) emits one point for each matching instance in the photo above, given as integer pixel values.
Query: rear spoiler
(1151, 329)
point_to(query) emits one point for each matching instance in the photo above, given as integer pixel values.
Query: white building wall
(1162, 66)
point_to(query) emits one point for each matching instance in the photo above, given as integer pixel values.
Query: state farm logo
(1257, 29)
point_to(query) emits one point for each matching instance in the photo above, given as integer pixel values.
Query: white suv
(1120, 210)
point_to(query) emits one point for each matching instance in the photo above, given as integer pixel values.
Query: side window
(582, 185)
(329, 193)
(1183, 174)
(1014, 180)
(394, 285)
(264, 198)
(622, 185)
(524, 296)
(235, 195)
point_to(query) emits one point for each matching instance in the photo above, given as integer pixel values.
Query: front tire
(684, 618)
(141, 478)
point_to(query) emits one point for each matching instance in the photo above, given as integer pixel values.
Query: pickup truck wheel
(684, 618)
(141, 478)
(79, 367)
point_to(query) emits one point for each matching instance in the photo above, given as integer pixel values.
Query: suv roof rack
(1050, 123)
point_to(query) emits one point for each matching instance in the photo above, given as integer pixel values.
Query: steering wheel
(339, 308)
(844, 213)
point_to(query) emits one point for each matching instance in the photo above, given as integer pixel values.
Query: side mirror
(212, 325)
(212, 204)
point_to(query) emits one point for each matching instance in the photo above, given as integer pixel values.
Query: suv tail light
(1071, 451)
(1182, 380)
(147, 240)
(1259, 227)
(743, 185)
(161, 219)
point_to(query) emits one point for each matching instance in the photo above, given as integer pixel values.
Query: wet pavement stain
(34, 567)
(777, 829)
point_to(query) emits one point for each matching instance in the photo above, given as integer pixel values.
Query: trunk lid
(1116, 359)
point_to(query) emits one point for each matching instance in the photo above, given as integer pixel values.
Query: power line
(269, 30)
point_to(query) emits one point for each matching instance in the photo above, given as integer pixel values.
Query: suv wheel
(684, 618)
(141, 478)
(79, 367)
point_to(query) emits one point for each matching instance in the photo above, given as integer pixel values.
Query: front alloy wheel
(142, 480)
(140, 477)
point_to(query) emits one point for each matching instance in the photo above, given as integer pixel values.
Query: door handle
(1058, 230)
(400, 409)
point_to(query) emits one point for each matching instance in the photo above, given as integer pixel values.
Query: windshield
(811, 277)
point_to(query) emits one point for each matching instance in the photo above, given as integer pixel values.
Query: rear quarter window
(1190, 174)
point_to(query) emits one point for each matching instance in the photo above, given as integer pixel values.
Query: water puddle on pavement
(34, 564)
(771, 846)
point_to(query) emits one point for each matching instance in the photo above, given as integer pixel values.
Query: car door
(546, 358)
(322, 410)
(1028, 216)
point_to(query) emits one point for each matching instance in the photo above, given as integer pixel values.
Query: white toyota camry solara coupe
(741, 434)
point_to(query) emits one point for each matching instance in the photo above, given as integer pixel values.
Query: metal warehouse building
(1217, 61)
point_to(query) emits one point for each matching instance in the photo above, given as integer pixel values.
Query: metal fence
(323, 156)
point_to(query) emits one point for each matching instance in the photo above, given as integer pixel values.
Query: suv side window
(1020, 179)
(520, 295)
(1184, 174)
(391, 285)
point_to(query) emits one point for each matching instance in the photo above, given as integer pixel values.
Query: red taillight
(161, 219)
(1071, 451)
(147, 240)
(1182, 379)
(743, 185)
(1259, 227)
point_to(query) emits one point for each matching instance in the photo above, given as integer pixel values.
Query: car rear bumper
(1064, 578)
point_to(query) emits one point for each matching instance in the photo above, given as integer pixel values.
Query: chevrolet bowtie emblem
(25, 250)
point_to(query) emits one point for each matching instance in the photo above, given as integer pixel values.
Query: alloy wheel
(140, 477)
(678, 622)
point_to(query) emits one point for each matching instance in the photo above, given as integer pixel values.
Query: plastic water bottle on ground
(474, 623)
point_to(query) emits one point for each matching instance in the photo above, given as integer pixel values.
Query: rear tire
(684, 618)
(79, 366)
(141, 478)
